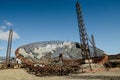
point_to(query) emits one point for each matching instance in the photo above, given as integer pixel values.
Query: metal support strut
(8, 54)
(83, 35)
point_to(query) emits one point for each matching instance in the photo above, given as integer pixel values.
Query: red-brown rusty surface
(104, 60)
(68, 65)
(51, 70)
(28, 61)
(99, 60)
(24, 60)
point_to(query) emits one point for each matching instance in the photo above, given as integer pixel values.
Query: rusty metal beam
(8, 54)
(83, 34)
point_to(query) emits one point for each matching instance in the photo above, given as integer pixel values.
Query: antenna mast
(94, 46)
(82, 33)
(8, 54)
(83, 36)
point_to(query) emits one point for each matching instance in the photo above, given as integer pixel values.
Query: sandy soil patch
(21, 74)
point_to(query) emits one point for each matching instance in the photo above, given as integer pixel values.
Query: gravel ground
(21, 74)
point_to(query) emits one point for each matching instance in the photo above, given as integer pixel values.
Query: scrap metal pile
(50, 69)
(54, 57)
(60, 57)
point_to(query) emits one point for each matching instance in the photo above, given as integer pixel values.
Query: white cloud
(15, 35)
(12, 51)
(4, 32)
(1, 48)
(7, 23)
(4, 35)
(3, 27)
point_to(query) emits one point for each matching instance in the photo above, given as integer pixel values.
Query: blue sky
(46, 20)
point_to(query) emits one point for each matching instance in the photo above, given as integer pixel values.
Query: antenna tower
(8, 54)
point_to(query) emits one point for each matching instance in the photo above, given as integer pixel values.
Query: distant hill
(115, 56)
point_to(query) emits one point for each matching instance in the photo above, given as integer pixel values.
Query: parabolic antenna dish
(49, 50)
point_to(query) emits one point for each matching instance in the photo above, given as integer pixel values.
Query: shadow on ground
(94, 77)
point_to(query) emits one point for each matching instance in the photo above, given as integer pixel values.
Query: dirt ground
(21, 74)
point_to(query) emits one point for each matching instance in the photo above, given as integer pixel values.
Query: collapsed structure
(49, 50)
(61, 57)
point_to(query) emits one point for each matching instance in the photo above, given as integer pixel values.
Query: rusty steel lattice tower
(82, 33)
(8, 54)
(94, 46)
(83, 36)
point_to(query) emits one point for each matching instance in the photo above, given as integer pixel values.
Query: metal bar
(8, 54)
(83, 34)
(94, 46)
